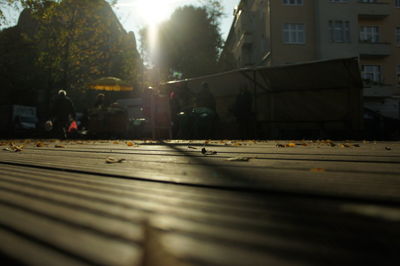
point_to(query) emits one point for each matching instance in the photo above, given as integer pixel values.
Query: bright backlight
(154, 11)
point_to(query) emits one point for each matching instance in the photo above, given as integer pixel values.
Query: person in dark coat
(99, 103)
(206, 117)
(205, 98)
(242, 111)
(62, 112)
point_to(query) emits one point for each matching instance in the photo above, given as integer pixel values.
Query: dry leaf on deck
(239, 159)
(14, 148)
(130, 143)
(114, 160)
(40, 144)
(291, 145)
(59, 146)
(206, 152)
(388, 148)
(191, 147)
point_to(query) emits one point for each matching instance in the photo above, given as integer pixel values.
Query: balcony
(244, 22)
(373, 10)
(373, 49)
(246, 39)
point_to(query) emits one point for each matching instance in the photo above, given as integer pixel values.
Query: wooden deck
(167, 203)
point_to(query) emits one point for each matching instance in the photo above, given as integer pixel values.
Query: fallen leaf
(280, 145)
(206, 152)
(59, 146)
(388, 148)
(240, 159)
(317, 170)
(291, 145)
(130, 143)
(40, 144)
(114, 160)
(14, 148)
(191, 147)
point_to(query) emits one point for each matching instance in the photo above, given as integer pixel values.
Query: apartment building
(279, 32)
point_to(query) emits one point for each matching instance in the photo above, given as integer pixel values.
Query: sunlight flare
(153, 12)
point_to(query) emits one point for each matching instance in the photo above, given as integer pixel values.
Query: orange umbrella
(110, 84)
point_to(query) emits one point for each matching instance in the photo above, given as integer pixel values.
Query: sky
(134, 14)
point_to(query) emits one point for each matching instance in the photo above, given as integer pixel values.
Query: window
(398, 36)
(371, 72)
(293, 2)
(339, 30)
(294, 33)
(397, 3)
(369, 34)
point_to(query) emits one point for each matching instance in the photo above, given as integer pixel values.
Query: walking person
(206, 117)
(62, 113)
(242, 111)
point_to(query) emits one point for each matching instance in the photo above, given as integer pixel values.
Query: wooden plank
(337, 184)
(67, 204)
(184, 207)
(182, 249)
(27, 252)
(146, 191)
(148, 188)
(99, 224)
(367, 154)
(349, 163)
(86, 246)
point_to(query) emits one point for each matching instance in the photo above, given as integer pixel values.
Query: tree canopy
(69, 43)
(189, 42)
(31, 4)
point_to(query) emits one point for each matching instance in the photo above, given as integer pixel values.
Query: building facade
(279, 32)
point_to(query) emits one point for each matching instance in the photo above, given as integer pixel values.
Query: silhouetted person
(62, 112)
(99, 103)
(242, 111)
(184, 109)
(174, 110)
(205, 114)
(205, 98)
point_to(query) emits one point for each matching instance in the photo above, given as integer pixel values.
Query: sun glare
(154, 12)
